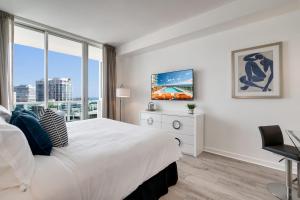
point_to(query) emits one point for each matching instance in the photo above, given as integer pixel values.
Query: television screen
(176, 85)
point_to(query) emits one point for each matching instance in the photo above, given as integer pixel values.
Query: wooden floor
(213, 177)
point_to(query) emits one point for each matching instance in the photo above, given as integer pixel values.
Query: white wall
(231, 124)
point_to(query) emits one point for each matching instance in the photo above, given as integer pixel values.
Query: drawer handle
(176, 124)
(150, 121)
(179, 141)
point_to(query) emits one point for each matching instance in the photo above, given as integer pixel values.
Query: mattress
(105, 160)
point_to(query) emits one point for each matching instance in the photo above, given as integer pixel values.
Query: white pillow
(4, 113)
(16, 159)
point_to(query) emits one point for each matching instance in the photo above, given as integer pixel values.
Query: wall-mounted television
(175, 85)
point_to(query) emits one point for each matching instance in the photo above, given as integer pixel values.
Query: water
(171, 90)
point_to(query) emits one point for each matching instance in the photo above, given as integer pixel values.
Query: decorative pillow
(38, 110)
(38, 139)
(22, 110)
(55, 126)
(16, 159)
(4, 113)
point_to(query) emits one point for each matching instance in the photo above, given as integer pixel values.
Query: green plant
(191, 106)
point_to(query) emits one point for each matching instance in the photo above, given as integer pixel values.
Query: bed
(105, 160)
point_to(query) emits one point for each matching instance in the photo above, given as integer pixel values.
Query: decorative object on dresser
(256, 72)
(151, 106)
(122, 92)
(186, 128)
(191, 107)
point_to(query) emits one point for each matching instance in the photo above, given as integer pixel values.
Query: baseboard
(273, 165)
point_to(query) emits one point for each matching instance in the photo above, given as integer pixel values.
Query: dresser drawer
(186, 143)
(149, 123)
(187, 121)
(184, 129)
(151, 116)
(186, 139)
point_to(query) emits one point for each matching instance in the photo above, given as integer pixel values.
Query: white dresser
(188, 129)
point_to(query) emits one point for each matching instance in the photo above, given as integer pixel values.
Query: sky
(184, 77)
(29, 67)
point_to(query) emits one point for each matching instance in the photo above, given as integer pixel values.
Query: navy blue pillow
(25, 111)
(37, 137)
(30, 113)
(18, 111)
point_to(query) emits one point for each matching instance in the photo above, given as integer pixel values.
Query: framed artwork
(256, 72)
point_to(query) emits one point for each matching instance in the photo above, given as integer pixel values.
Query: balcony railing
(72, 110)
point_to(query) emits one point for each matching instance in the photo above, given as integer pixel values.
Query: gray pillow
(55, 126)
(4, 113)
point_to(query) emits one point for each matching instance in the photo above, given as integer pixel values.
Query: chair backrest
(271, 135)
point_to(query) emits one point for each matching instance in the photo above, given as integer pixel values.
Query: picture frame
(257, 72)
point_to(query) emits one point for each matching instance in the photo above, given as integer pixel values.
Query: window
(28, 67)
(94, 81)
(57, 62)
(64, 76)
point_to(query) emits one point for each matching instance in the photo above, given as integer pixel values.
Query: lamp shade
(123, 92)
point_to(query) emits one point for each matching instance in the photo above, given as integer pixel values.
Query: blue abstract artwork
(258, 72)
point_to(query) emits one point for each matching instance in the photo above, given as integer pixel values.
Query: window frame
(85, 43)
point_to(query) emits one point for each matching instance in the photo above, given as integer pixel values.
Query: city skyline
(21, 95)
(59, 89)
(27, 70)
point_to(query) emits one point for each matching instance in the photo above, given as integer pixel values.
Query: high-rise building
(24, 93)
(39, 90)
(59, 89)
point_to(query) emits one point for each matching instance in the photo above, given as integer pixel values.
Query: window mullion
(46, 96)
(84, 75)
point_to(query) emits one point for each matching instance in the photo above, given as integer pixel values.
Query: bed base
(156, 186)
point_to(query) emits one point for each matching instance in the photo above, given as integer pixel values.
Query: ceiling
(109, 21)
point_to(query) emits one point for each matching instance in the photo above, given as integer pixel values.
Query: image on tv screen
(176, 85)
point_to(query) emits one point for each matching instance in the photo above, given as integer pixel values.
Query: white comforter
(105, 160)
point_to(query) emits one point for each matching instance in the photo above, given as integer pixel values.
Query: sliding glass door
(71, 73)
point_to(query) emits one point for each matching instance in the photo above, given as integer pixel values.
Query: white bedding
(105, 160)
